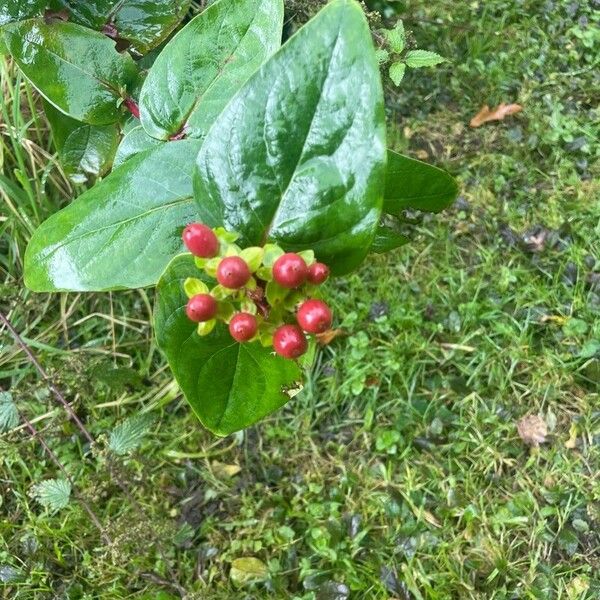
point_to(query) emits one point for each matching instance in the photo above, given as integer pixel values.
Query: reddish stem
(180, 135)
(132, 107)
(258, 297)
(110, 31)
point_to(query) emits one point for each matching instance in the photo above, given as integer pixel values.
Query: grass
(398, 472)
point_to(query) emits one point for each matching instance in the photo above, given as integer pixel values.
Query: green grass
(398, 472)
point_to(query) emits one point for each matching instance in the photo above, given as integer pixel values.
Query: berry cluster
(259, 291)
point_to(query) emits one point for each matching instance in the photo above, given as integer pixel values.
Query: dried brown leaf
(486, 115)
(532, 430)
(327, 337)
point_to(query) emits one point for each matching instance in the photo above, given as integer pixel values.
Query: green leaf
(9, 415)
(397, 71)
(416, 59)
(308, 256)
(136, 140)
(410, 183)
(265, 273)
(575, 327)
(206, 63)
(382, 55)
(298, 156)
(85, 150)
(128, 435)
(206, 328)
(396, 37)
(78, 70)
(387, 239)
(253, 257)
(247, 570)
(142, 23)
(272, 253)
(590, 349)
(18, 10)
(275, 293)
(225, 311)
(568, 541)
(121, 233)
(53, 494)
(194, 286)
(230, 386)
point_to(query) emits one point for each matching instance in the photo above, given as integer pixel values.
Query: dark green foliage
(76, 69)
(122, 232)
(321, 187)
(198, 72)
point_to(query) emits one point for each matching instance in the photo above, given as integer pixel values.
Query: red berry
(201, 308)
(289, 341)
(243, 327)
(290, 270)
(233, 273)
(318, 273)
(201, 240)
(314, 316)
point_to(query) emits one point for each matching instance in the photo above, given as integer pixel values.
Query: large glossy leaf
(410, 183)
(298, 156)
(136, 140)
(203, 66)
(230, 386)
(85, 150)
(122, 232)
(78, 70)
(143, 23)
(17, 10)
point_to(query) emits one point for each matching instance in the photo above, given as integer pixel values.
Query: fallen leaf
(430, 518)
(535, 239)
(327, 337)
(556, 319)
(571, 443)
(224, 471)
(502, 110)
(245, 570)
(532, 430)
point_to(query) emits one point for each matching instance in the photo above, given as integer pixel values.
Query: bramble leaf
(9, 414)
(128, 434)
(416, 59)
(53, 494)
(396, 37)
(397, 71)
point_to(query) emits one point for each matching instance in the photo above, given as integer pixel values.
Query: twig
(37, 435)
(34, 361)
(124, 488)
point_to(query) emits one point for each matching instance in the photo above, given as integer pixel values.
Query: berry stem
(180, 135)
(132, 107)
(258, 297)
